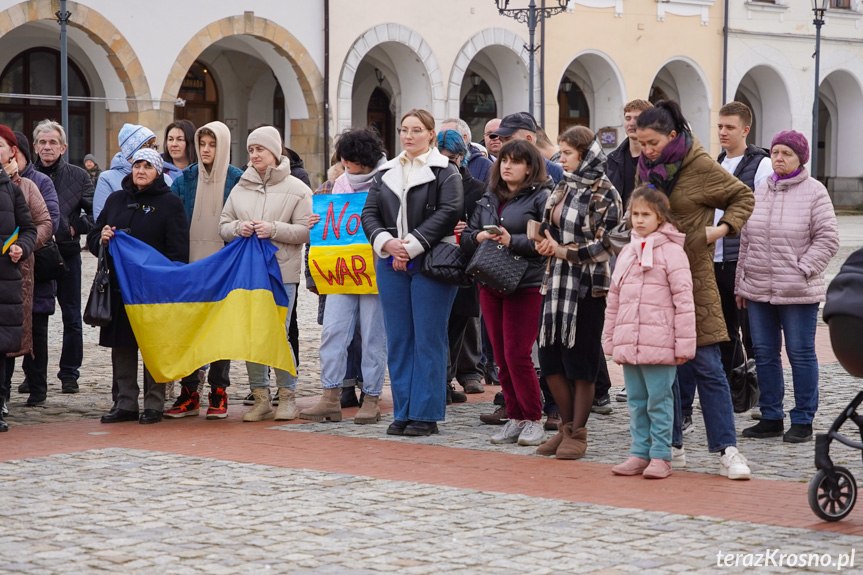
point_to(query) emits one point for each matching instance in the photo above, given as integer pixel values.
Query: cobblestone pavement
(166, 509)
(131, 511)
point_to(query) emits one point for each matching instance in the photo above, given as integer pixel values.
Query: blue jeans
(705, 373)
(259, 374)
(416, 311)
(342, 313)
(768, 323)
(651, 409)
(69, 298)
(354, 369)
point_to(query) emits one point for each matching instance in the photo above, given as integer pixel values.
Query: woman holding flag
(272, 204)
(146, 209)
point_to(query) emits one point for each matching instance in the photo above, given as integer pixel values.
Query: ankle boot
(549, 448)
(327, 408)
(574, 444)
(369, 412)
(262, 408)
(287, 405)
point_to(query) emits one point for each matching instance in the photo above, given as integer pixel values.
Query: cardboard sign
(341, 259)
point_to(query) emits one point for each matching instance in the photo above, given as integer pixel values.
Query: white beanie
(268, 137)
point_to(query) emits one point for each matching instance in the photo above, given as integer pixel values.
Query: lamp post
(530, 16)
(63, 16)
(818, 8)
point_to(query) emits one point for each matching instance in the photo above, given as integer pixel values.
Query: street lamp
(531, 16)
(475, 79)
(818, 8)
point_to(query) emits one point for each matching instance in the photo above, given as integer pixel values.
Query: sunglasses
(491, 136)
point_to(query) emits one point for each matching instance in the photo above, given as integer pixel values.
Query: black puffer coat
(153, 215)
(14, 213)
(528, 204)
(75, 194)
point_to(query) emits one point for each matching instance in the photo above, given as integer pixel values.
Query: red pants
(513, 324)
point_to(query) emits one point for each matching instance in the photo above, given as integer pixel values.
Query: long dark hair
(520, 152)
(664, 117)
(188, 129)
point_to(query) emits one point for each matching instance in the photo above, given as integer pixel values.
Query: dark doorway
(380, 117)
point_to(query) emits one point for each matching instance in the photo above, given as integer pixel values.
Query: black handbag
(447, 263)
(49, 264)
(97, 312)
(744, 384)
(444, 262)
(496, 267)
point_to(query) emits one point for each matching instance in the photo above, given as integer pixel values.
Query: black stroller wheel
(832, 495)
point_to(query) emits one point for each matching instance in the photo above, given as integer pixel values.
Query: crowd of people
(675, 264)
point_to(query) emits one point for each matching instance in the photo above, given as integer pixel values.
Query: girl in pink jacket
(650, 328)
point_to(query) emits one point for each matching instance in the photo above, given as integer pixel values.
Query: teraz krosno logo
(775, 558)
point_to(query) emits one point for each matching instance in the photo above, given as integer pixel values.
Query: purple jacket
(44, 292)
(787, 243)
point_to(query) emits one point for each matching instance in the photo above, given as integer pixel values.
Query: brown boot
(369, 412)
(327, 408)
(574, 444)
(549, 448)
(287, 409)
(262, 409)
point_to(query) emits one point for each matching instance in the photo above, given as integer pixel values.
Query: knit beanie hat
(267, 137)
(23, 145)
(794, 140)
(149, 155)
(132, 137)
(7, 134)
(92, 158)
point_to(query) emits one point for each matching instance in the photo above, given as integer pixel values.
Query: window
(37, 72)
(840, 4)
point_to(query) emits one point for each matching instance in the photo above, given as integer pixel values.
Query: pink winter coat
(650, 318)
(787, 243)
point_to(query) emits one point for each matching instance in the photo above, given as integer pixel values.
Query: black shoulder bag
(97, 312)
(444, 262)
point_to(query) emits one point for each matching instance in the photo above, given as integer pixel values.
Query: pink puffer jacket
(787, 243)
(650, 318)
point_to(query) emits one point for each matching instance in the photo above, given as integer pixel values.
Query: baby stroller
(833, 490)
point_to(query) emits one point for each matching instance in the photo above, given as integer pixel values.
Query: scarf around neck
(362, 182)
(563, 279)
(664, 171)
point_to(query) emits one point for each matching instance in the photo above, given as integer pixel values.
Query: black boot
(490, 372)
(765, 428)
(348, 397)
(453, 395)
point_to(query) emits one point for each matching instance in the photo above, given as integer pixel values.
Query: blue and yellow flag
(231, 305)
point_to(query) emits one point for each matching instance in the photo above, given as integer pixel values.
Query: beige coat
(44, 226)
(279, 198)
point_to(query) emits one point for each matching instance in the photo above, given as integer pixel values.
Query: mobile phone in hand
(495, 230)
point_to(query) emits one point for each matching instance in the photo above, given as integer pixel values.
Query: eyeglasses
(151, 146)
(413, 132)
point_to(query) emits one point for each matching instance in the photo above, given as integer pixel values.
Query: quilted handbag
(97, 312)
(496, 267)
(446, 263)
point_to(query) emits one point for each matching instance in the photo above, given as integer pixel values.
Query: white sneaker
(755, 413)
(621, 395)
(733, 465)
(678, 457)
(509, 432)
(532, 433)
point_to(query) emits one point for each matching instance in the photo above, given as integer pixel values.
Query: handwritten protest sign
(340, 257)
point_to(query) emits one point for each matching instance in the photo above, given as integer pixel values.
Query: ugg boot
(327, 408)
(369, 412)
(262, 408)
(287, 405)
(574, 444)
(549, 448)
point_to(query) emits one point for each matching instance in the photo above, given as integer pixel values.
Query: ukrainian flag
(231, 305)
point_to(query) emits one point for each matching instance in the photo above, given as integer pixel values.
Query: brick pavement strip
(129, 511)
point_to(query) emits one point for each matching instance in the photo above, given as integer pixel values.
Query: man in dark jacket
(75, 194)
(522, 126)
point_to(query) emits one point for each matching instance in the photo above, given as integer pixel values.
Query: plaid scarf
(664, 171)
(592, 205)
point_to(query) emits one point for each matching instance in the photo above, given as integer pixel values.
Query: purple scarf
(664, 171)
(776, 177)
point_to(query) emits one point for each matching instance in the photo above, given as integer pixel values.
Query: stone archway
(498, 57)
(392, 41)
(842, 96)
(769, 99)
(600, 80)
(683, 80)
(306, 132)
